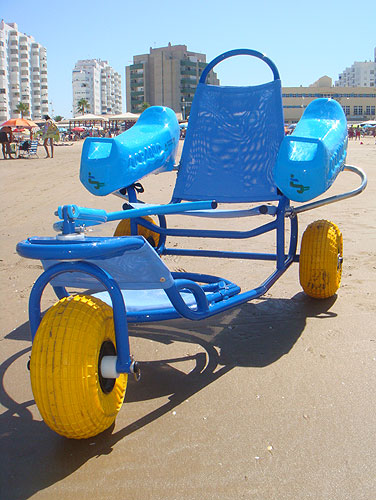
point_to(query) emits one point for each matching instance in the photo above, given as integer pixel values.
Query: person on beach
(6, 138)
(50, 134)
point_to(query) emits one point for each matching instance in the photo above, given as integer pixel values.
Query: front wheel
(72, 396)
(321, 256)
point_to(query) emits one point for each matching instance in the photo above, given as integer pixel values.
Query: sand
(272, 400)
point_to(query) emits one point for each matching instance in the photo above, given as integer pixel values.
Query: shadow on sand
(254, 335)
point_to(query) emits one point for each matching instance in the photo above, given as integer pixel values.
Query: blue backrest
(232, 140)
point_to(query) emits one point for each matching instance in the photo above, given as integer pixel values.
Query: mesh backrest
(231, 145)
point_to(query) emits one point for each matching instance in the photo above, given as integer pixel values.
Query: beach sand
(271, 400)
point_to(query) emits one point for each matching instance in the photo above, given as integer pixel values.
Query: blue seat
(232, 140)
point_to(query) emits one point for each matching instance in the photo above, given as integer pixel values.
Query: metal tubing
(202, 233)
(172, 208)
(338, 197)
(124, 360)
(220, 254)
(237, 52)
(179, 304)
(280, 236)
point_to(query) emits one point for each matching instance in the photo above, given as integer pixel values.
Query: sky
(305, 39)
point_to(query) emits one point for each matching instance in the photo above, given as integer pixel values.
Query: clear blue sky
(306, 40)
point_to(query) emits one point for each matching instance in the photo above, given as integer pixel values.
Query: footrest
(152, 305)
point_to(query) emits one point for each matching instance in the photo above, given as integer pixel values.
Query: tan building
(358, 103)
(167, 76)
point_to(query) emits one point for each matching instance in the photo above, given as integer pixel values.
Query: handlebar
(239, 52)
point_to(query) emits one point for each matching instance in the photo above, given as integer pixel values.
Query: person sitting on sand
(50, 133)
(25, 145)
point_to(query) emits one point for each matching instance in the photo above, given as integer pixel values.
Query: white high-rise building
(23, 74)
(360, 74)
(96, 82)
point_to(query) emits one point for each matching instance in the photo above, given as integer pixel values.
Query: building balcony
(137, 100)
(191, 80)
(188, 72)
(187, 62)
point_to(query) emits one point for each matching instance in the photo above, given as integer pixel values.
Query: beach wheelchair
(236, 163)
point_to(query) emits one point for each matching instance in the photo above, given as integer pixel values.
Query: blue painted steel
(280, 233)
(236, 131)
(44, 248)
(209, 233)
(75, 216)
(221, 254)
(239, 52)
(232, 143)
(149, 146)
(120, 324)
(310, 159)
(157, 308)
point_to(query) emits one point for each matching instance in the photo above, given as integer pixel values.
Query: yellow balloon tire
(320, 262)
(72, 397)
(124, 229)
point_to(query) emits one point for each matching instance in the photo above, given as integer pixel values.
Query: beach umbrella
(19, 122)
(78, 129)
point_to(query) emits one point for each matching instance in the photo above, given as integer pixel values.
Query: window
(346, 110)
(358, 110)
(2, 91)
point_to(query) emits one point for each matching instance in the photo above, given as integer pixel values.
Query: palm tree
(22, 108)
(58, 118)
(82, 106)
(144, 106)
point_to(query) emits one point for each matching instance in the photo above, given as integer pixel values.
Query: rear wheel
(124, 229)
(72, 396)
(321, 256)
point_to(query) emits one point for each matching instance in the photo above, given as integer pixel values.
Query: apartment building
(360, 74)
(167, 76)
(358, 103)
(23, 73)
(96, 81)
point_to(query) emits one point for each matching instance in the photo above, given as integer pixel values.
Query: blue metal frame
(215, 296)
(124, 360)
(239, 52)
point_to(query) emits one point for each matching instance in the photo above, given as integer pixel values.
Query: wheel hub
(107, 349)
